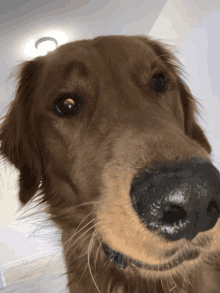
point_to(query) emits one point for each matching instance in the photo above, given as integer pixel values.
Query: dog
(103, 131)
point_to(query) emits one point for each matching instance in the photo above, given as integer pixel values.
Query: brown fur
(83, 166)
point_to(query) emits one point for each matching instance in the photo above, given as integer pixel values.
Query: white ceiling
(24, 20)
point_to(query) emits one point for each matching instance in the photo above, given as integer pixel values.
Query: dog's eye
(159, 85)
(68, 105)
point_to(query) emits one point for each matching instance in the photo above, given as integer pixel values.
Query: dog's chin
(122, 261)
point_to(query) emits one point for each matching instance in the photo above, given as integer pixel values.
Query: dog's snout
(178, 199)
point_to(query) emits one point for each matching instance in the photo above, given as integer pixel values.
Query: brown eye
(159, 85)
(68, 105)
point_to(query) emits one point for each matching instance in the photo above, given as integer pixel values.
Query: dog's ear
(166, 53)
(17, 135)
(190, 106)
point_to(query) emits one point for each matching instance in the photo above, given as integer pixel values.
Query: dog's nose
(178, 199)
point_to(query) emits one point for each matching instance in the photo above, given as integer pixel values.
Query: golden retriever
(105, 131)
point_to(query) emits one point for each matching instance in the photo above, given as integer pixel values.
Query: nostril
(213, 207)
(173, 214)
(212, 214)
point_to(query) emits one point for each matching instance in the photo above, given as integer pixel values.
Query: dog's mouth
(122, 261)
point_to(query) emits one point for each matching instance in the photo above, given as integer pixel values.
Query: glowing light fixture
(45, 45)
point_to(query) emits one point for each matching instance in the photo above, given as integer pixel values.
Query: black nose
(178, 199)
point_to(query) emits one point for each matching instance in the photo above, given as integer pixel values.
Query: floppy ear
(17, 135)
(190, 106)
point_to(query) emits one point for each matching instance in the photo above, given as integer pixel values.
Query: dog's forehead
(113, 49)
(85, 61)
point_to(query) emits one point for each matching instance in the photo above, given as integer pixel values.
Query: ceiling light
(45, 45)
